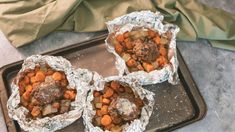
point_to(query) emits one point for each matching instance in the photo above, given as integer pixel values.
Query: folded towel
(25, 21)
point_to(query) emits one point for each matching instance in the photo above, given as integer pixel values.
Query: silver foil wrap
(78, 79)
(138, 125)
(145, 19)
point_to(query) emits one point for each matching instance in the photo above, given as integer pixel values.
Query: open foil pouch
(77, 80)
(138, 25)
(100, 84)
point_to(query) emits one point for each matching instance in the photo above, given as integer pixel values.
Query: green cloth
(25, 21)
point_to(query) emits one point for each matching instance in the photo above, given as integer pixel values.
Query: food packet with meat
(117, 104)
(144, 47)
(48, 94)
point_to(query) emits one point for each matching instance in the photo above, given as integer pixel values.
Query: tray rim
(10, 125)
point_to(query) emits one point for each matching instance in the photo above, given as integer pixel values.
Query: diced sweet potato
(26, 96)
(128, 43)
(148, 67)
(162, 51)
(120, 38)
(33, 79)
(157, 39)
(69, 94)
(151, 33)
(31, 74)
(29, 88)
(131, 63)
(115, 85)
(118, 48)
(21, 87)
(104, 110)
(108, 93)
(105, 101)
(161, 61)
(106, 120)
(57, 76)
(36, 111)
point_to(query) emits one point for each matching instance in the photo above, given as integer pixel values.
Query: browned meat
(47, 92)
(126, 109)
(65, 104)
(145, 51)
(48, 109)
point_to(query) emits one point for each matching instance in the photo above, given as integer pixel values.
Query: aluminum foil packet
(138, 125)
(153, 21)
(78, 79)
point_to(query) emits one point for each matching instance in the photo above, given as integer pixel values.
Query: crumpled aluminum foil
(145, 19)
(78, 79)
(138, 125)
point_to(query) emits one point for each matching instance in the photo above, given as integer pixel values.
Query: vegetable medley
(44, 92)
(143, 49)
(116, 106)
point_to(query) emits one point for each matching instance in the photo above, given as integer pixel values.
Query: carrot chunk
(108, 93)
(115, 85)
(104, 110)
(162, 51)
(151, 33)
(106, 120)
(118, 48)
(33, 80)
(120, 38)
(40, 76)
(57, 76)
(157, 39)
(105, 101)
(35, 111)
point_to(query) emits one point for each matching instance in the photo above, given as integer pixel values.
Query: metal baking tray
(175, 105)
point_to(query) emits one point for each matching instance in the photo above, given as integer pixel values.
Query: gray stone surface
(212, 69)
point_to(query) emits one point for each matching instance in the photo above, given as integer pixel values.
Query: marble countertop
(212, 69)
